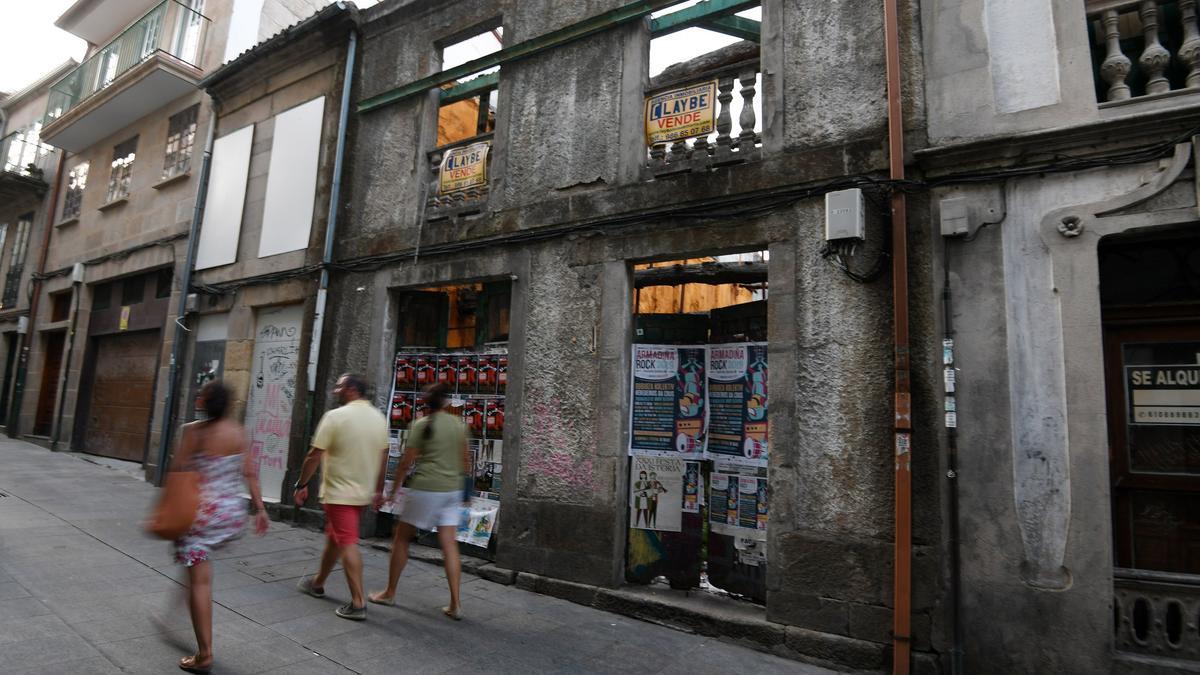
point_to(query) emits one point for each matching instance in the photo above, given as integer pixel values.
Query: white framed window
(122, 170)
(181, 138)
(76, 182)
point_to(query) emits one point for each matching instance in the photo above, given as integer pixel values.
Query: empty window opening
(698, 499)
(457, 336)
(704, 100)
(468, 107)
(60, 306)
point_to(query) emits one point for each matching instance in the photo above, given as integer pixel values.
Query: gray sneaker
(349, 611)
(306, 587)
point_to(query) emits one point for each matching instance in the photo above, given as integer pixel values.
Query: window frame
(181, 142)
(73, 195)
(120, 176)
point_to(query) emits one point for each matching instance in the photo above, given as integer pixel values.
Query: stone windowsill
(120, 201)
(171, 180)
(73, 220)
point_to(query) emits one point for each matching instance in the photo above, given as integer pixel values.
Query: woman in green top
(434, 495)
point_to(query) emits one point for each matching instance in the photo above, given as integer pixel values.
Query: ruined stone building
(574, 237)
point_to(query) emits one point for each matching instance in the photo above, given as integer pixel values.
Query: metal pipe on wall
(13, 419)
(189, 262)
(318, 327)
(65, 374)
(902, 426)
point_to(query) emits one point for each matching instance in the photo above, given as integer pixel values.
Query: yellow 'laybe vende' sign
(464, 168)
(681, 113)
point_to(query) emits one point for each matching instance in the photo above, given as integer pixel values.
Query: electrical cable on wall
(876, 189)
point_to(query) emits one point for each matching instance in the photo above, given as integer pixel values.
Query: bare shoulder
(225, 437)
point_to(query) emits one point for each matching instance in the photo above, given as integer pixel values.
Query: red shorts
(341, 523)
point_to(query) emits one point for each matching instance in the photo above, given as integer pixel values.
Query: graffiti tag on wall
(273, 394)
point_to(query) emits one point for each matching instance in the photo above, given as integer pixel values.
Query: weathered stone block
(836, 649)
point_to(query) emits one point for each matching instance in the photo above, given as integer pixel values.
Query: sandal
(192, 664)
(380, 599)
(455, 614)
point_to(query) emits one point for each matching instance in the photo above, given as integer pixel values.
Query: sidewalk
(82, 590)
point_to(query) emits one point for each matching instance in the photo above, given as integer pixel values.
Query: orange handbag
(177, 505)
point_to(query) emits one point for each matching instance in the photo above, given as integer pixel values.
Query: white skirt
(429, 510)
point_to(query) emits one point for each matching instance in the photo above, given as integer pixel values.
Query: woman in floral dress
(216, 448)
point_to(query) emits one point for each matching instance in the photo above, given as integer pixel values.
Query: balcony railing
(1143, 47)
(1156, 613)
(171, 28)
(23, 154)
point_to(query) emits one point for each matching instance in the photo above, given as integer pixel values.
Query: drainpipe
(902, 429)
(65, 374)
(14, 414)
(177, 345)
(956, 651)
(314, 347)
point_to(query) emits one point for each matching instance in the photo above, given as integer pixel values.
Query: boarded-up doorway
(121, 400)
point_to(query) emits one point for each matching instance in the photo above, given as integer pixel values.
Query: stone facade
(1034, 409)
(571, 208)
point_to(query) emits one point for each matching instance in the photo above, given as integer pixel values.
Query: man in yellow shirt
(352, 441)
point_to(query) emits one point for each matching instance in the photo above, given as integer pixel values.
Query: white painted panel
(1022, 54)
(292, 179)
(243, 28)
(273, 378)
(226, 196)
(212, 327)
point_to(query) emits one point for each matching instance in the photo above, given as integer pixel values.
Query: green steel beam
(630, 12)
(737, 26)
(470, 88)
(698, 14)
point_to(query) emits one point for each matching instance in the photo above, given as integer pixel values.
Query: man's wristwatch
(299, 486)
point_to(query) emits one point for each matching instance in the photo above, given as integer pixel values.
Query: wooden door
(1152, 371)
(43, 420)
(122, 396)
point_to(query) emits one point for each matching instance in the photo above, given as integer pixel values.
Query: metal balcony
(149, 64)
(28, 165)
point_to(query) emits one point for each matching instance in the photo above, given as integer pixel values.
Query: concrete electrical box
(844, 215)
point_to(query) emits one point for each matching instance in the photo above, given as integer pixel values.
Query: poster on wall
(656, 487)
(738, 506)
(273, 377)
(737, 403)
(478, 522)
(667, 417)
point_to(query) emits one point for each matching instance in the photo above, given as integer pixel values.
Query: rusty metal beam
(576, 31)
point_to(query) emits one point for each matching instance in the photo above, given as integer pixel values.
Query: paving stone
(108, 599)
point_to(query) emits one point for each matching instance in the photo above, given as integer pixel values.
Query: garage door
(122, 396)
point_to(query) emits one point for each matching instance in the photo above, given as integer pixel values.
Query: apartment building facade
(270, 208)
(30, 168)
(131, 119)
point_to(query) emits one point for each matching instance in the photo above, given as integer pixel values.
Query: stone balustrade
(456, 203)
(1143, 47)
(1156, 614)
(739, 82)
